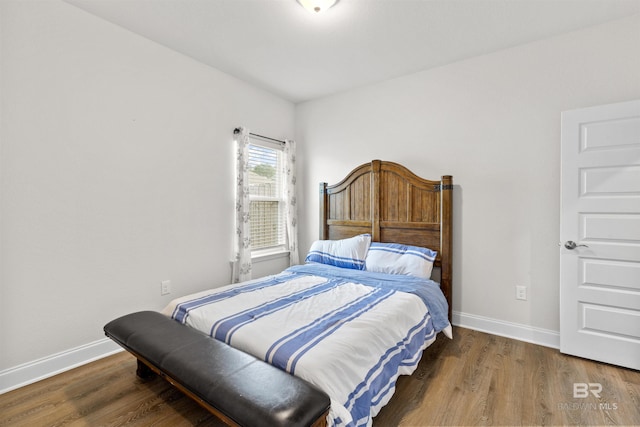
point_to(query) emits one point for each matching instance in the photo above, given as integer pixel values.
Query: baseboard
(544, 337)
(31, 372)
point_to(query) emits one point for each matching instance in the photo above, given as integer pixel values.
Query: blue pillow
(394, 258)
(345, 253)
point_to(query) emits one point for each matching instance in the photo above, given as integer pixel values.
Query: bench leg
(144, 372)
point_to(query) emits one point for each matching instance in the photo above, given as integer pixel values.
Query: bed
(362, 308)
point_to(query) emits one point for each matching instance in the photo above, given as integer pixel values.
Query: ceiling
(282, 48)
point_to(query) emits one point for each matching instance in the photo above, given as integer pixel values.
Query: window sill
(269, 254)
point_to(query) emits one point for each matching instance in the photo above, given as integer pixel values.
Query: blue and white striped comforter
(349, 332)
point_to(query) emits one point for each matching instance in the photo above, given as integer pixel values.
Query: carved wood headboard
(394, 205)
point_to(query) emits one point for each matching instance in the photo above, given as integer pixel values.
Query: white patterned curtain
(242, 262)
(290, 194)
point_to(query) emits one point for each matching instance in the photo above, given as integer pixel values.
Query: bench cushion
(245, 389)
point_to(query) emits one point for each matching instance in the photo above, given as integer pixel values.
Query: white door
(600, 234)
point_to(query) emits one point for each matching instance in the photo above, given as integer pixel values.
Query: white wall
(116, 174)
(493, 122)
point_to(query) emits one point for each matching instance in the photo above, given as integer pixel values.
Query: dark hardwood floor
(475, 379)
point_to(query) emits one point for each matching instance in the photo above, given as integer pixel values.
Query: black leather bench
(233, 385)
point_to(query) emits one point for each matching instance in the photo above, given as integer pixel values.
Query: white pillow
(345, 253)
(394, 258)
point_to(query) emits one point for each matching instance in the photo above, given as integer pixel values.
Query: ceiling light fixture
(317, 6)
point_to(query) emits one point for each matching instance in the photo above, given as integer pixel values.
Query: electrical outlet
(521, 292)
(165, 287)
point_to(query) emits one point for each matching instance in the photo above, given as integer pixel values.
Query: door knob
(570, 244)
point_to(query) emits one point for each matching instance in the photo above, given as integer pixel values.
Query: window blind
(266, 195)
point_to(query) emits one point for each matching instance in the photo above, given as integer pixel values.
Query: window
(266, 195)
(265, 213)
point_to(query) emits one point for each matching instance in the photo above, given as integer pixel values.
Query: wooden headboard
(394, 205)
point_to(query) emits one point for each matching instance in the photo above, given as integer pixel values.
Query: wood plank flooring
(475, 379)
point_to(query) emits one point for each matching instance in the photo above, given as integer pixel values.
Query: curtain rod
(237, 131)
